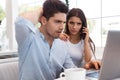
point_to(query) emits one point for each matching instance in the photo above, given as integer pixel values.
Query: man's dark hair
(50, 7)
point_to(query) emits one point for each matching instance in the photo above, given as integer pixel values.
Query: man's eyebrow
(59, 21)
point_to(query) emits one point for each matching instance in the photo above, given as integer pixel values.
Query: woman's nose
(75, 25)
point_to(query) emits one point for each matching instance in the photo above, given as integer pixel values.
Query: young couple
(42, 56)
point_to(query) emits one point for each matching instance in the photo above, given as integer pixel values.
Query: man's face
(55, 25)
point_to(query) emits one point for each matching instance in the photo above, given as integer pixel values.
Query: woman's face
(74, 25)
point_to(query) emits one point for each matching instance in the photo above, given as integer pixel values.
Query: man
(41, 55)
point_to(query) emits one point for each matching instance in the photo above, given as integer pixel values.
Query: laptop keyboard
(93, 73)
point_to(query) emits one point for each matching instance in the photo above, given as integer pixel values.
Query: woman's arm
(88, 55)
(87, 50)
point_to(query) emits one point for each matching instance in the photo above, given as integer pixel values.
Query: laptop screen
(110, 68)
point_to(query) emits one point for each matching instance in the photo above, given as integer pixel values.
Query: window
(28, 5)
(12, 9)
(4, 44)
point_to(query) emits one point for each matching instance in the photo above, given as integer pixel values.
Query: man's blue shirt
(37, 61)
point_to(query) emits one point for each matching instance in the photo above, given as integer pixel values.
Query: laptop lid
(110, 68)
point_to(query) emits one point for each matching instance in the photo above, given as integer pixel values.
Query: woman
(81, 47)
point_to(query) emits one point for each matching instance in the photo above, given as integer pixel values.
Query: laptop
(110, 68)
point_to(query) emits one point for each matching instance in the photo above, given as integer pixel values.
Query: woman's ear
(43, 20)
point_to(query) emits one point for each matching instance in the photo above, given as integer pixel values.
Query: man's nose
(62, 25)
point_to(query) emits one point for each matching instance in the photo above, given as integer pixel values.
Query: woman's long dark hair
(80, 14)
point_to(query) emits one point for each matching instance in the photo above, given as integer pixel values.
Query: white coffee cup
(74, 74)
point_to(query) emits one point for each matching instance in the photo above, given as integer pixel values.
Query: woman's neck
(74, 39)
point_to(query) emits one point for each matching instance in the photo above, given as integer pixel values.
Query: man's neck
(48, 38)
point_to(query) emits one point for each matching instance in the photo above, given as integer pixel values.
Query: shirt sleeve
(68, 62)
(23, 28)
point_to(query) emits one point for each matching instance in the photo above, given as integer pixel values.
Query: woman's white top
(76, 52)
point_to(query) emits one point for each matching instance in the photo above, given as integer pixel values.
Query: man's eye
(58, 21)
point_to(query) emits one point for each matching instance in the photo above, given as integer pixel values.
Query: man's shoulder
(59, 41)
(60, 47)
(60, 44)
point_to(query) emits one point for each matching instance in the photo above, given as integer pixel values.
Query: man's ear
(43, 20)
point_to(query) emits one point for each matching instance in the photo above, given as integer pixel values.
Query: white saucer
(62, 78)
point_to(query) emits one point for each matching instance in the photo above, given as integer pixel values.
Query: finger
(99, 63)
(66, 36)
(63, 36)
(96, 65)
(65, 39)
(86, 66)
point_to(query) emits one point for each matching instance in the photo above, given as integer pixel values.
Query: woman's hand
(93, 64)
(86, 31)
(64, 36)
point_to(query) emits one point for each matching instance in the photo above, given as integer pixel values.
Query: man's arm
(24, 25)
(68, 62)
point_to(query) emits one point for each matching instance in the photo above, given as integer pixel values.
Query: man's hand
(93, 64)
(33, 15)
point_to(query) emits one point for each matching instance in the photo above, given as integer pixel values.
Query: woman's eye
(72, 23)
(79, 24)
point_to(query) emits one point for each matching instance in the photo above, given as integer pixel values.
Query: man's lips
(59, 32)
